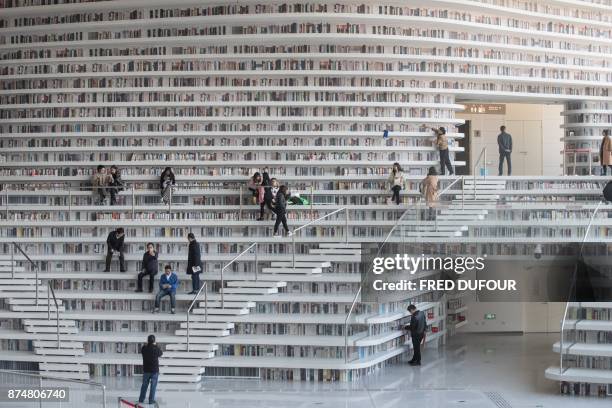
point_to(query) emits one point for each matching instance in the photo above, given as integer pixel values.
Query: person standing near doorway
(504, 141)
(417, 333)
(605, 153)
(150, 369)
(442, 145)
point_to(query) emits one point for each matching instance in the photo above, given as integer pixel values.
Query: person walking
(150, 369)
(441, 143)
(280, 209)
(115, 184)
(605, 153)
(396, 181)
(114, 243)
(100, 182)
(149, 267)
(194, 263)
(166, 182)
(168, 283)
(504, 142)
(417, 326)
(429, 189)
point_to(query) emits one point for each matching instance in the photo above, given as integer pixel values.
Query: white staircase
(467, 206)
(18, 289)
(239, 296)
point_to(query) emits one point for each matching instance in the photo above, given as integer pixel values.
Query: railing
(58, 379)
(193, 302)
(346, 229)
(354, 302)
(572, 288)
(34, 265)
(482, 155)
(254, 244)
(57, 311)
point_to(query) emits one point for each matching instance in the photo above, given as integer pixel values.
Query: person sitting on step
(167, 287)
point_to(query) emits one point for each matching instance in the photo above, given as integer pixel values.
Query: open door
(465, 154)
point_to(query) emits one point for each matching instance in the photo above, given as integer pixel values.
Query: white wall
(536, 131)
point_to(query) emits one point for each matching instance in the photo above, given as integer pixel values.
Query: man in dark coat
(150, 369)
(504, 142)
(149, 267)
(114, 243)
(417, 326)
(194, 264)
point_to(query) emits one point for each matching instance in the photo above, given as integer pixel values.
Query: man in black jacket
(504, 142)
(150, 369)
(149, 267)
(417, 332)
(114, 243)
(194, 264)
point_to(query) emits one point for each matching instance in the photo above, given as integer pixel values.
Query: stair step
(59, 352)
(229, 304)
(22, 288)
(335, 251)
(53, 344)
(440, 228)
(460, 217)
(188, 354)
(5, 282)
(52, 322)
(192, 347)
(31, 301)
(342, 245)
(225, 311)
(467, 211)
(180, 378)
(300, 264)
(51, 329)
(63, 367)
(432, 234)
(195, 370)
(305, 271)
(209, 325)
(256, 284)
(479, 196)
(258, 291)
(34, 308)
(202, 333)
(67, 375)
(15, 269)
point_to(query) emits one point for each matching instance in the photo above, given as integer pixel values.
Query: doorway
(465, 154)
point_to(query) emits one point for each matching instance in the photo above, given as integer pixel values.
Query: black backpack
(607, 191)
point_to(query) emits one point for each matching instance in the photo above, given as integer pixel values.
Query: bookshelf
(219, 91)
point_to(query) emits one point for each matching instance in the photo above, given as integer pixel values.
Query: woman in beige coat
(429, 189)
(605, 152)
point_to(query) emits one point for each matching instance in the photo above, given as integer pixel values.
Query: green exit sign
(489, 316)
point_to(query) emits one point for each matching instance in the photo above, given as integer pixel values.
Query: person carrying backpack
(280, 208)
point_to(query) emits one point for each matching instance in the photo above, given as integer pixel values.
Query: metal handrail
(57, 311)
(348, 315)
(346, 231)
(254, 244)
(195, 298)
(483, 152)
(50, 377)
(572, 288)
(35, 265)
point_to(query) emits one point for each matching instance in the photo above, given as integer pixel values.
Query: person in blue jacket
(167, 287)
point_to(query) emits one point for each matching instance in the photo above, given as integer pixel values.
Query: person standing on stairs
(605, 153)
(253, 186)
(417, 326)
(280, 208)
(504, 141)
(194, 263)
(442, 145)
(168, 283)
(114, 243)
(100, 182)
(396, 181)
(265, 195)
(429, 188)
(150, 369)
(116, 184)
(149, 267)
(166, 183)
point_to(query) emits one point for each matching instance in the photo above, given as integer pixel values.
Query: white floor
(472, 371)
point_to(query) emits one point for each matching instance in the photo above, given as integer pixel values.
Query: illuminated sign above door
(485, 108)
